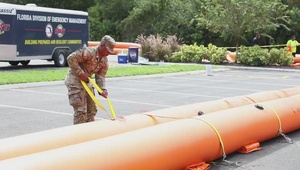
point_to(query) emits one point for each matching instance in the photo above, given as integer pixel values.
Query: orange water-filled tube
(173, 145)
(231, 56)
(297, 58)
(296, 64)
(69, 135)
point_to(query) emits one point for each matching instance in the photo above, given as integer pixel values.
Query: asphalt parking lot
(27, 108)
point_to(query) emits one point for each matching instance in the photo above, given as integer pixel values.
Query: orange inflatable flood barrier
(231, 56)
(297, 58)
(119, 47)
(69, 135)
(173, 145)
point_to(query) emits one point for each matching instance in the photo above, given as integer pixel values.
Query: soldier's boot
(91, 119)
(80, 117)
(91, 116)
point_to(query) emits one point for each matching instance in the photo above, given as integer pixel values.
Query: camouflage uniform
(84, 107)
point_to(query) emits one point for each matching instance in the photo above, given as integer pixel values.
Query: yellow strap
(219, 136)
(278, 45)
(88, 90)
(277, 116)
(289, 140)
(111, 108)
(108, 100)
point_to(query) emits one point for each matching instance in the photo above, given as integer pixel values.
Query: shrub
(176, 57)
(274, 56)
(253, 56)
(286, 58)
(173, 43)
(190, 53)
(157, 48)
(195, 54)
(202, 54)
(216, 55)
(256, 56)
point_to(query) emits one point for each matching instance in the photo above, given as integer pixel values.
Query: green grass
(29, 76)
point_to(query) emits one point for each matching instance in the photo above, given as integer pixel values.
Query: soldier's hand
(104, 93)
(84, 77)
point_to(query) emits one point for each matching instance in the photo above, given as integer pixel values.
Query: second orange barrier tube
(60, 137)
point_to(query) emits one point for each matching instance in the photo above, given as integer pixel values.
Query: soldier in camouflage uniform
(84, 63)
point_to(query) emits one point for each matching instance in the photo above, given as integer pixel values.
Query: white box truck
(29, 32)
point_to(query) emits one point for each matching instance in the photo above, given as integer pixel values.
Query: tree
(294, 13)
(164, 17)
(106, 16)
(233, 19)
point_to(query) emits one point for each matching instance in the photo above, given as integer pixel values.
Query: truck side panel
(38, 33)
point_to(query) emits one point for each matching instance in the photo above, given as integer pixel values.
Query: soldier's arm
(100, 75)
(77, 57)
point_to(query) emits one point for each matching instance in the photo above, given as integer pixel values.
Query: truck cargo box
(30, 32)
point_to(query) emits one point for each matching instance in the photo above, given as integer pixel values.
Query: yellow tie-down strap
(95, 99)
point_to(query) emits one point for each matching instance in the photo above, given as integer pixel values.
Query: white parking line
(162, 83)
(33, 109)
(173, 93)
(143, 103)
(236, 82)
(32, 91)
(124, 101)
(40, 110)
(186, 85)
(151, 91)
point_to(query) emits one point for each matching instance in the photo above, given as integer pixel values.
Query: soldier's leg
(77, 99)
(91, 108)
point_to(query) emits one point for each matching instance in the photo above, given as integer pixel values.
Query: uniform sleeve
(100, 75)
(78, 57)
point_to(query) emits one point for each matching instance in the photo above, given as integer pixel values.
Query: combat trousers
(83, 105)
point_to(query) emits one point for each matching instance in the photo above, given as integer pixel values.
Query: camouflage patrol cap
(109, 43)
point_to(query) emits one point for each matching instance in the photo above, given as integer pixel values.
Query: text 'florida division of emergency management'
(40, 18)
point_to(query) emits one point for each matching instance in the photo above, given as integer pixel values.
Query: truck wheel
(60, 58)
(13, 63)
(25, 62)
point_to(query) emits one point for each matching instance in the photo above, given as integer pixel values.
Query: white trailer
(29, 32)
